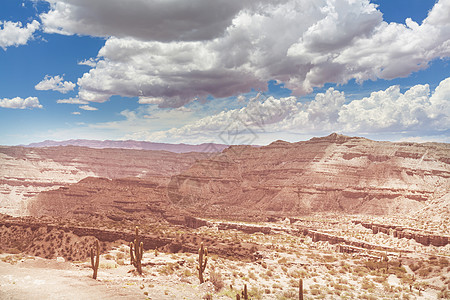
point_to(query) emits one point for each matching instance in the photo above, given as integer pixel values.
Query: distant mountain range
(136, 145)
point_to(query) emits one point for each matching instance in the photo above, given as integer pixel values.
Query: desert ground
(385, 267)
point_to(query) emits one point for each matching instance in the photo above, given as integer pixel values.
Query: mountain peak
(335, 137)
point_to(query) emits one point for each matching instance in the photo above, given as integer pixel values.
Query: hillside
(25, 172)
(333, 173)
(329, 174)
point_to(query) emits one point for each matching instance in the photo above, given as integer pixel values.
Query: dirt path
(28, 281)
(37, 278)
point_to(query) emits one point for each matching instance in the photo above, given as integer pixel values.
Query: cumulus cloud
(55, 83)
(91, 62)
(14, 34)
(72, 101)
(87, 107)
(20, 103)
(143, 19)
(387, 111)
(303, 44)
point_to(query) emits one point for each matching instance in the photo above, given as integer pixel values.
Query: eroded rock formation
(25, 172)
(334, 173)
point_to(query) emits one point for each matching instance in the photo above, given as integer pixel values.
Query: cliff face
(334, 173)
(117, 199)
(25, 172)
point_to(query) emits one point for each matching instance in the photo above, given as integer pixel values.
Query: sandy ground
(37, 278)
(54, 281)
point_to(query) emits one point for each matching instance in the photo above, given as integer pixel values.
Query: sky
(224, 71)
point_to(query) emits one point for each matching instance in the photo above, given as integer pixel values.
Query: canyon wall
(333, 173)
(25, 172)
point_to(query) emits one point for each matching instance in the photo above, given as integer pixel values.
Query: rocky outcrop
(25, 172)
(422, 237)
(117, 199)
(345, 245)
(104, 235)
(51, 238)
(334, 173)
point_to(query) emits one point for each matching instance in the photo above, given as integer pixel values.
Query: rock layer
(25, 172)
(334, 173)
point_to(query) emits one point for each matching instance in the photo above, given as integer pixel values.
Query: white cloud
(303, 44)
(91, 62)
(75, 100)
(76, 113)
(13, 34)
(87, 107)
(417, 114)
(20, 103)
(55, 83)
(388, 111)
(151, 100)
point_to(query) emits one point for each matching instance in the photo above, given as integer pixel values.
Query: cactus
(97, 259)
(202, 252)
(244, 293)
(136, 254)
(300, 289)
(385, 258)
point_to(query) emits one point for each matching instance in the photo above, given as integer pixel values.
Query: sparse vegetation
(95, 256)
(274, 272)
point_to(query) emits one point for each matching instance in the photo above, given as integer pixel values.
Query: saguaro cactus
(300, 289)
(97, 259)
(202, 260)
(136, 251)
(244, 293)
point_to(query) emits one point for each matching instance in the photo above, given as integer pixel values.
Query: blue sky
(236, 71)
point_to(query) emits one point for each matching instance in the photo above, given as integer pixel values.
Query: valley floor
(280, 260)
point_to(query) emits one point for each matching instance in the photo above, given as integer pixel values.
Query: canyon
(335, 173)
(26, 172)
(349, 216)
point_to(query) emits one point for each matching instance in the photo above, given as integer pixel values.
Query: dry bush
(216, 279)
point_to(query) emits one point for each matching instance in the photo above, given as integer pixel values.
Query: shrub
(252, 275)
(216, 279)
(425, 271)
(255, 293)
(282, 260)
(415, 267)
(315, 291)
(329, 258)
(288, 294)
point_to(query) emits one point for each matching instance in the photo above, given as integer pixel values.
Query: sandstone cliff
(333, 173)
(25, 172)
